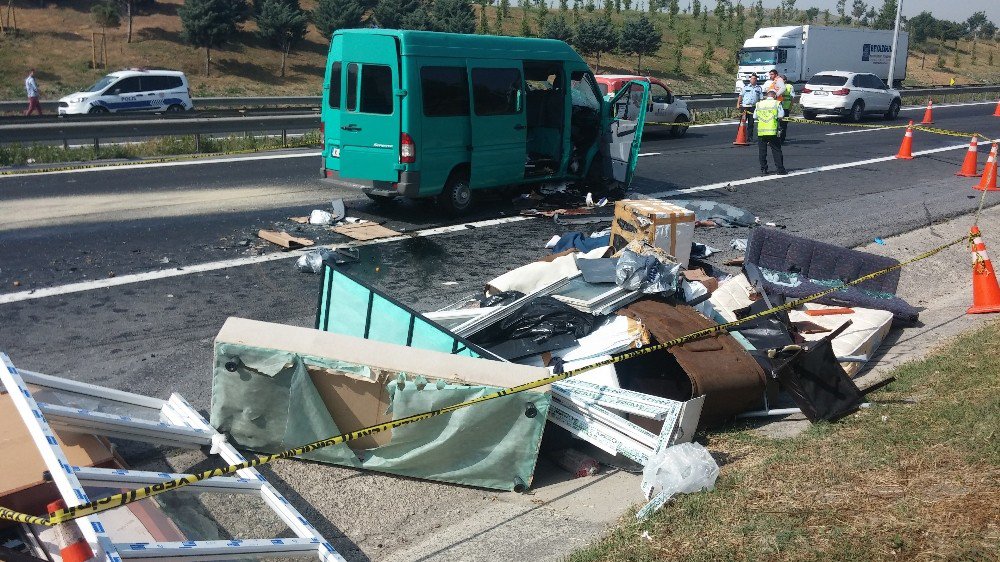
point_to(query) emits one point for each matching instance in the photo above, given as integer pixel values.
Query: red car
(664, 107)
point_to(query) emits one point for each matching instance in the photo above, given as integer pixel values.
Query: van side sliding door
(499, 131)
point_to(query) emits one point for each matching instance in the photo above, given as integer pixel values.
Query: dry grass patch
(916, 477)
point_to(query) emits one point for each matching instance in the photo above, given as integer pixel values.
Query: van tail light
(841, 92)
(322, 130)
(806, 91)
(407, 150)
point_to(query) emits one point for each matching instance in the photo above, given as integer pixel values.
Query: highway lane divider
(131, 496)
(147, 161)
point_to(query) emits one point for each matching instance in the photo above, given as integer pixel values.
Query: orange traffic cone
(996, 112)
(985, 290)
(971, 161)
(989, 179)
(72, 546)
(928, 114)
(906, 148)
(741, 134)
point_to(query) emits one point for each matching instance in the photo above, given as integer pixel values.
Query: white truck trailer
(800, 51)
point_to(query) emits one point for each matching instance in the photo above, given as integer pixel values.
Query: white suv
(132, 90)
(852, 94)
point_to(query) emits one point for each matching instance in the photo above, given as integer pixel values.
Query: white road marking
(963, 104)
(238, 262)
(861, 131)
(650, 154)
(192, 162)
(828, 168)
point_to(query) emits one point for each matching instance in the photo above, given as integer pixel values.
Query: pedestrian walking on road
(767, 114)
(786, 106)
(31, 87)
(746, 102)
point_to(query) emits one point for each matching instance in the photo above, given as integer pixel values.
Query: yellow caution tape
(118, 500)
(916, 127)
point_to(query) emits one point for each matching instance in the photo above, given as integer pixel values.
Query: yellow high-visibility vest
(767, 117)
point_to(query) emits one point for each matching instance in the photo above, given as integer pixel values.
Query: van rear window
(352, 87)
(445, 91)
(334, 96)
(495, 90)
(376, 89)
(827, 80)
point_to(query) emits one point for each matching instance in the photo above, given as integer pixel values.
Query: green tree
(577, 4)
(678, 55)
(842, 11)
(758, 14)
(331, 15)
(454, 16)
(826, 17)
(886, 16)
(609, 8)
(484, 22)
(618, 6)
(640, 37)
(975, 22)
(563, 7)
(673, 8)
(556, 28)
(542, 11)
(282, 23)
(741, 19)
(627, 5)
(704, 21)
(503, 11)
(590, 6)
(209, 24)
(106, 14)
(811, 14)
(594, 36)
(525, 27)
(858, 9)
(696, 8)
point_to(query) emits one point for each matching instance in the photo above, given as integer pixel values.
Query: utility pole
(895, 41)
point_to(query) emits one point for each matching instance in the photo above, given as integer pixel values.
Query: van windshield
(759, 57)
(101, 84)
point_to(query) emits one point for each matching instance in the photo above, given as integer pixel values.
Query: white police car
(132, 90)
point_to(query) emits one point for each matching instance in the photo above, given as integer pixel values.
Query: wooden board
(284, 239)
(365, 231)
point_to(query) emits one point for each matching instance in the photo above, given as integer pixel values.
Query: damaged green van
(441, 115)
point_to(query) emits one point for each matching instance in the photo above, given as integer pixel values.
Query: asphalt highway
(116, 253)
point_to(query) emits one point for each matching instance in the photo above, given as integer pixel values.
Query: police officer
(750, 94)
(786, 106)
(767, 113)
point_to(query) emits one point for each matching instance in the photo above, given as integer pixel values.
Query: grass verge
(917, 476)
(19, 155)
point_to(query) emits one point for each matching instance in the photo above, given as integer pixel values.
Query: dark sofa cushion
(820, 265)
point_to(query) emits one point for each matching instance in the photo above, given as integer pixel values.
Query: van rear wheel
(456, 197)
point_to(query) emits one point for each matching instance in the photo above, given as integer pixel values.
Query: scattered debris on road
(284, 239)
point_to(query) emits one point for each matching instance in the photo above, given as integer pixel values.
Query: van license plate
(336, 153)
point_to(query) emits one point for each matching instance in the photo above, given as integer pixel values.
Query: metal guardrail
(66, 130)
(52, 106)
(96, 130)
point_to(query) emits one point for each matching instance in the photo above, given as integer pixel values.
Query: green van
(421, 114)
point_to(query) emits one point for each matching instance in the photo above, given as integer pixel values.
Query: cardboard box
(22, 484)
(662, 224)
